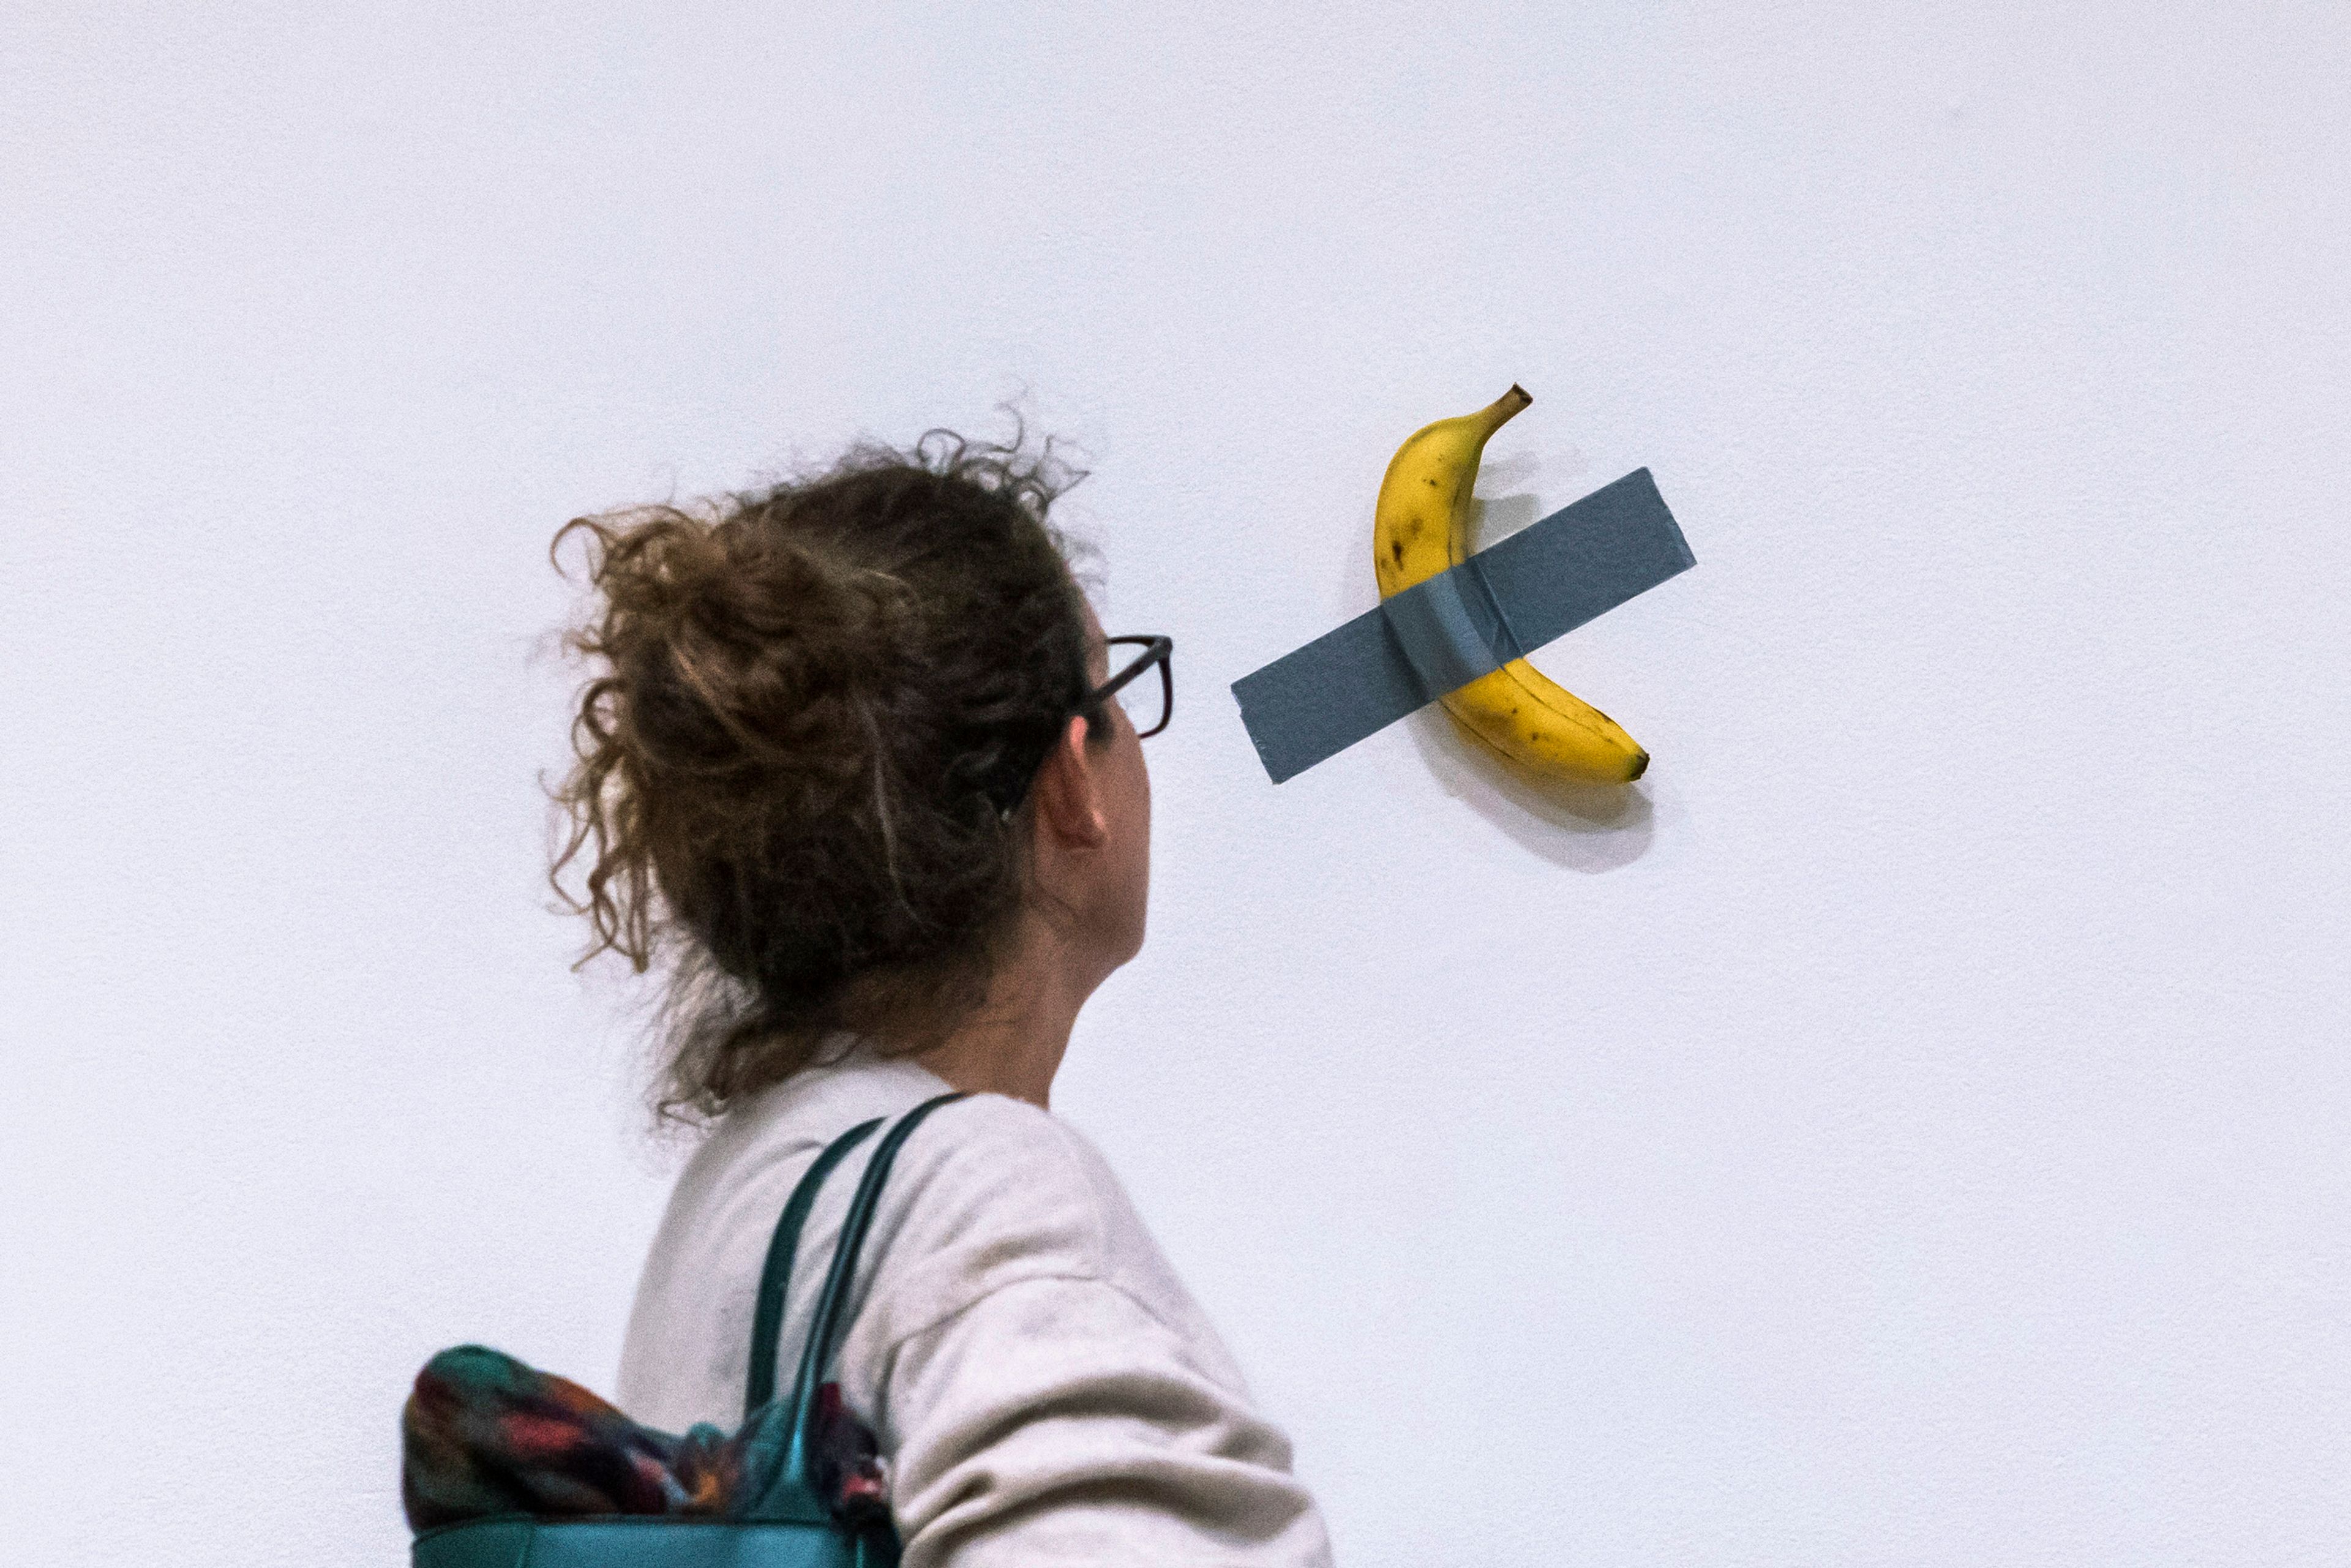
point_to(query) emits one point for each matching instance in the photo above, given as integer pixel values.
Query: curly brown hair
(801, 765)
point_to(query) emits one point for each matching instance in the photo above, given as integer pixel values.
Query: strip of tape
(1437, 636)
(1450, 630)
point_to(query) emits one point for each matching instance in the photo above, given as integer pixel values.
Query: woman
(862, 767)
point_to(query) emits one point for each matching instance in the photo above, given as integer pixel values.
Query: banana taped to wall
(1422, 527)
(1455, 628)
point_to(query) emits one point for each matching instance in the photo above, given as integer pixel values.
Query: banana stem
(1503, 409)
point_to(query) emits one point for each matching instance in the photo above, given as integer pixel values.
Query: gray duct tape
(1437, 636)
(1450, 631)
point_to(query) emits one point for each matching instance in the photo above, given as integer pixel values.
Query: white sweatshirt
(1045, 1390)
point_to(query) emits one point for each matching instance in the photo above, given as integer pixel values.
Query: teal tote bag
(788, 1524)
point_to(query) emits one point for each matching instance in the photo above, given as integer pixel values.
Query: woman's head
(839, 750)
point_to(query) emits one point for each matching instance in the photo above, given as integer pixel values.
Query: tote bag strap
(793, 1492)
(776, 1277)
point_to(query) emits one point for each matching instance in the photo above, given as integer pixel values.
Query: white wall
(1911, 1129)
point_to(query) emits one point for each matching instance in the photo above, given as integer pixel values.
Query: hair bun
(814, 700)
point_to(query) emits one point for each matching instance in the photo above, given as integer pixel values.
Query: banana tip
(1640, 766)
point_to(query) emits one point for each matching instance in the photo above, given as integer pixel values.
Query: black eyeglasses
(1149, 703)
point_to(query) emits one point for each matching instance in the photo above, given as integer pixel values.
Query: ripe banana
(1420, 528)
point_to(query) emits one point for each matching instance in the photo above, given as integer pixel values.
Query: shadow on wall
(1588, 828)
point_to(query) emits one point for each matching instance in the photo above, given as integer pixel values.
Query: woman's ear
(1071, 808)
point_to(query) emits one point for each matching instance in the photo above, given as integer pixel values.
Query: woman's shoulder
(989, 1192)
(989, 1173)
(993, 1192)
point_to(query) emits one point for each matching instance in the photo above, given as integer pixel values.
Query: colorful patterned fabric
(484, 1434)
